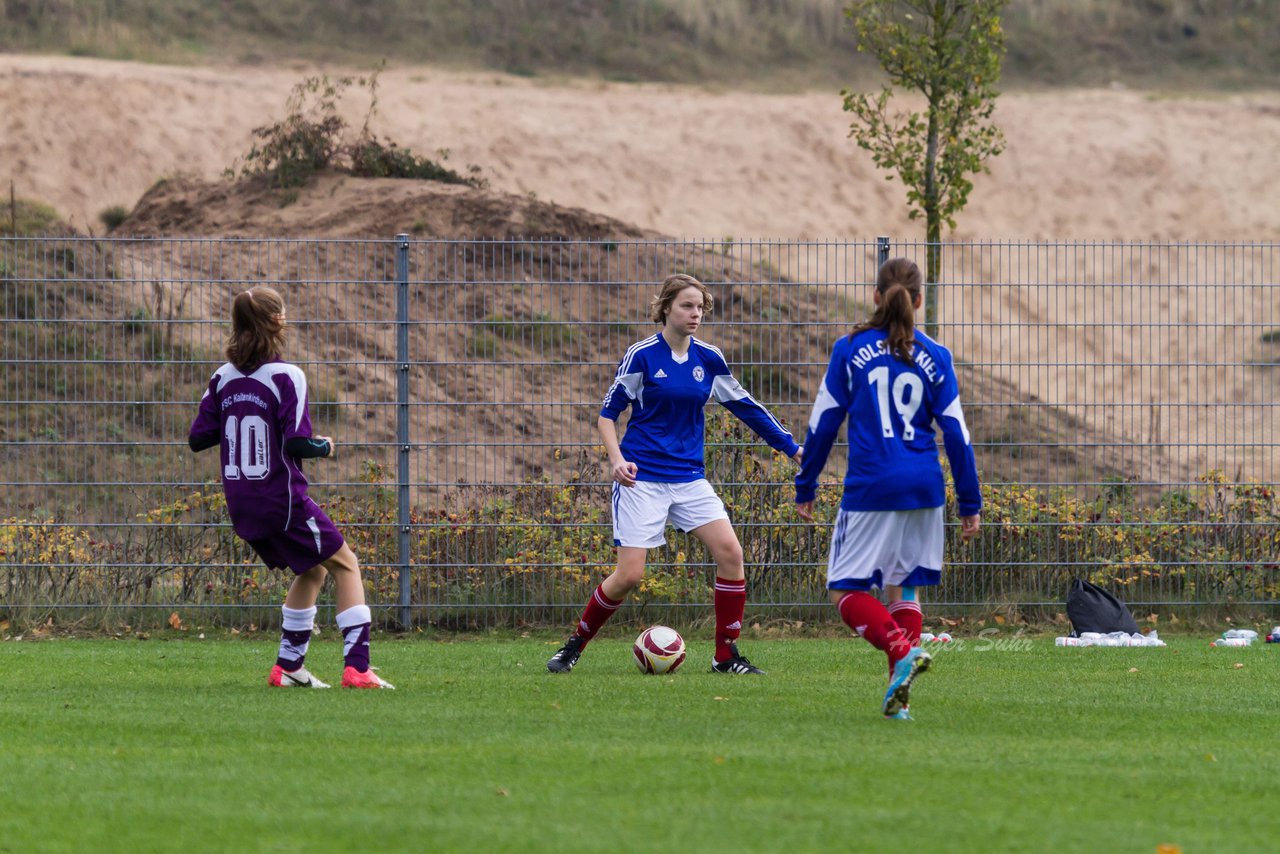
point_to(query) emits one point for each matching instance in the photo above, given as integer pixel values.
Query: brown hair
(899, 283)
(660, 305)
(257, 328)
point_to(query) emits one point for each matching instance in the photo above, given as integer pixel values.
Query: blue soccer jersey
(892, 409)
(667, 394)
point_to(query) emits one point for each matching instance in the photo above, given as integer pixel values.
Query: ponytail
(898, 283)
(899, 318)
(257, 328)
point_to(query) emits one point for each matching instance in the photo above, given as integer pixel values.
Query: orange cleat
(352, 678)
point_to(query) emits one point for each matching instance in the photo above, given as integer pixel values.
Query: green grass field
(178, 745)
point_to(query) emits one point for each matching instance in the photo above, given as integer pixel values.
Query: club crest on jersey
(698, 373)
(661, 374)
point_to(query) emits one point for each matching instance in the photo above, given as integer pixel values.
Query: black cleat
(567, 655)
(737, 663)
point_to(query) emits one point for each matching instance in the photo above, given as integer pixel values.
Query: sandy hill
(84, 134)
(336, 205)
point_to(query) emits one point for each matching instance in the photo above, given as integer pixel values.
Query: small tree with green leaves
(948, 51)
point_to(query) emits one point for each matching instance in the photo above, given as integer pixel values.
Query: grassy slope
(173, 745)
(778, 44)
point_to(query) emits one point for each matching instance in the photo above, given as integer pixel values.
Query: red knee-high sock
(909, 617)
(868, 616)
(598, 611)
(731, 602)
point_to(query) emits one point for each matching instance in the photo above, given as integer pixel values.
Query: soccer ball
(658, 650)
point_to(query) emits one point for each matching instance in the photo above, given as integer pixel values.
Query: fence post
(882, 251)
(402, 426)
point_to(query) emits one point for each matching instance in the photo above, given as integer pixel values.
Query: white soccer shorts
(641, 512)
(878, 548)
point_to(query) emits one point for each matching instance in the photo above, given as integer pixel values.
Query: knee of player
(316, 573)
(629, 577)
(729, 555)
(344, 562)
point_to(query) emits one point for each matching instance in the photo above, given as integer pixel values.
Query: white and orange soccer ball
(659, 649)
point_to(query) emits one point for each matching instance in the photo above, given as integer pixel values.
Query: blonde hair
(660, 305)
(257, 328)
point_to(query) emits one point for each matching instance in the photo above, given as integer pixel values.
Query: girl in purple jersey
(893, 384)
(255, 410)
(658, 471)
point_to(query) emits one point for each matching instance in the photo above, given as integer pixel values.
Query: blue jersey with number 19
(892, 407)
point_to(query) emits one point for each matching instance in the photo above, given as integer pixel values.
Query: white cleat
(300, 678)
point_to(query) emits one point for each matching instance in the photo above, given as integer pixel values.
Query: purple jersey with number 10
(253, 414)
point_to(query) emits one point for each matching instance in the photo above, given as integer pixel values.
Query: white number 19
(907, 394)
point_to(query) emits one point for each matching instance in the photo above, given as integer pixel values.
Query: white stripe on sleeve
(725, 387)
(954, 411)
(823, 404)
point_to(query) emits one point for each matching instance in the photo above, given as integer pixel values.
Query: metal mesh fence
(1121, 399)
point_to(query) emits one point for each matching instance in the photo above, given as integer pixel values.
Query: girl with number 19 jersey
(892, 408)
(894, 384)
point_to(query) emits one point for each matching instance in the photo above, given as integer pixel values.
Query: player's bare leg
(354, 621)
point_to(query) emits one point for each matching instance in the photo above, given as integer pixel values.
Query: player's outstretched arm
(730, 394)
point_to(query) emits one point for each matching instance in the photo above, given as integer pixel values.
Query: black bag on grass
(1092, 609)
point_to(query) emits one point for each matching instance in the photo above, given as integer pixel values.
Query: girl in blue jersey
(894, 384)
(659, 475)
(255, 411)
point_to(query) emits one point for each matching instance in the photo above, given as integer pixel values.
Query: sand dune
(85, 134)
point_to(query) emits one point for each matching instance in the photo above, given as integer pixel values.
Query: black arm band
(303, 447)
(200, 443)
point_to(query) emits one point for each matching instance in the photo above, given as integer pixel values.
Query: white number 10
(907, 395)
(248, 436)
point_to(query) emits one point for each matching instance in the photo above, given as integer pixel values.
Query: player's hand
(805, 510)
(625, 473)
(969, 526)
(333, 449)
(799, 457)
